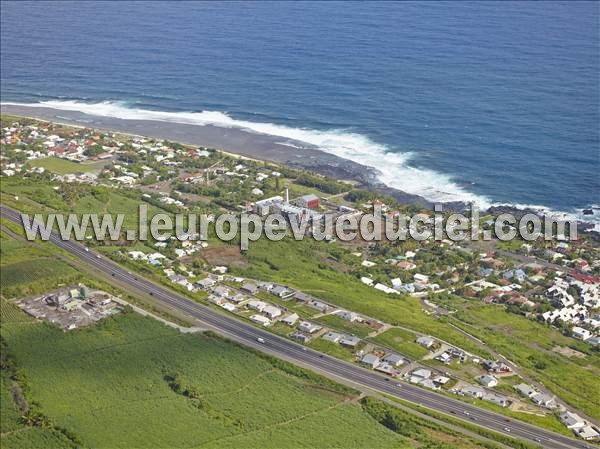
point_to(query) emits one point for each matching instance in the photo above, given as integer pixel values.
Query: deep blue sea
(497, 102)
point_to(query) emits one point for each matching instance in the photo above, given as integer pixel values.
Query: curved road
(331, 367)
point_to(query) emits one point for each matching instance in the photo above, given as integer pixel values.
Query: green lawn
(64, 166)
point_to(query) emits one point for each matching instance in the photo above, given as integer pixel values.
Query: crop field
(31, 268)
(132, 382)
(99, 200)
(30, 271)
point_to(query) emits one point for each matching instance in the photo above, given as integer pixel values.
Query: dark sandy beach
(246, 143)
(235, 140)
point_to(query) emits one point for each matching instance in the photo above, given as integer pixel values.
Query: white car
(260, 340)
(87, 250)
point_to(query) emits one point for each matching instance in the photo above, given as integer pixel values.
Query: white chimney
(287, 194)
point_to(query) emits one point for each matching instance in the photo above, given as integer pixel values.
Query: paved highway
(336, 369)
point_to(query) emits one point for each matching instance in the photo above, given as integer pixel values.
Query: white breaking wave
(393, 167)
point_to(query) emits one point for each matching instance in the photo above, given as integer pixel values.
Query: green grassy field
(531, 344)
(64, 166)
(303, 266)
(401, 341)
(339, 323)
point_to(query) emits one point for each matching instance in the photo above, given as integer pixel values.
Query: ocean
(493, 102)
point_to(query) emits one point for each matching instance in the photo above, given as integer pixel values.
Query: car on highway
(260, 340)
(87, 250)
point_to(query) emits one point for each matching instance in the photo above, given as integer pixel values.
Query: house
(474, 392)
(290, 320)
(221, 290)
(318, 305)
(237, 298)
(259, 319)
(347, 315)
(368, 264)
(256, 305)
(271, 311)
(441, 380)
(427, 383)
(366, 281)
(393, 359)
(265, 286)
(581, 333)
(216, 299)
(249, 287)
(444, 357)
(525, 390)
(502, 401)
(370, 360)
(406, 265)
(571, 420)
(426, 341)
(496, 367)
(384, 288)
(350, 341)
(137, 255)
(385, 368)
(206, 283)
(587, 433)
(544, 400)
(594, 341)
(487, 381)
(422, 372)
(333, 337)
(518, 275)
(421, 278)
(228, 306)
(281, 291)
(304, 338)
(307, 326)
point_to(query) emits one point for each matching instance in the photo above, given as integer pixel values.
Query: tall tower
(287, 194)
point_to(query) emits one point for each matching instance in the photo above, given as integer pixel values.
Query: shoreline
(237, 141)
(253, 145)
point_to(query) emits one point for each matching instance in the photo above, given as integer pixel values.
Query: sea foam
(394, 168)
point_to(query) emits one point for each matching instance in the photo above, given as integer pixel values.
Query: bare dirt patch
(228, 255)
(568, 352)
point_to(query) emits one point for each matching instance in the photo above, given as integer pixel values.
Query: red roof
(585, 278)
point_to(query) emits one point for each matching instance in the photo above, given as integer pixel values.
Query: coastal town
(551, 284)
